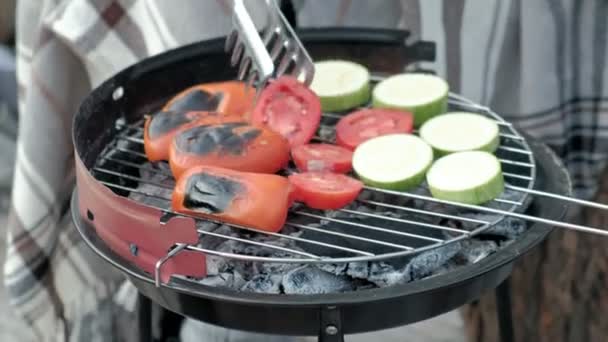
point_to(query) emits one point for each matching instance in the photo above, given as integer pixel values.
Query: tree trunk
(559, 289)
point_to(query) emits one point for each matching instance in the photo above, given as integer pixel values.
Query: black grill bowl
(152, 81)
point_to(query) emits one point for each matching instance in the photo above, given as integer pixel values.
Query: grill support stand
(331, 325)
(503, 311)
(145, 318)
(330, 329)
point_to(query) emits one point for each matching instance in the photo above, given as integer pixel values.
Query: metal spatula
(275, 52)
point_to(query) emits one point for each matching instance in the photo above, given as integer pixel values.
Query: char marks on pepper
(197, 100)
(227, 138)
(165, 121)
(210, 194)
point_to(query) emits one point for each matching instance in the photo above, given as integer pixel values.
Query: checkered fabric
(539, 63)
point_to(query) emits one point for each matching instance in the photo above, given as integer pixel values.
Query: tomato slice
(322, 157)
(365, 124)
(289, 108)
(161, 128)
(233, 145)
(229, 97)
(252, 200)
(324, 190)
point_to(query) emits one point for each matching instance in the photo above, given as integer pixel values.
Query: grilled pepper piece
(161, 128)
(254, 200)
(229, 97)
(233, 145)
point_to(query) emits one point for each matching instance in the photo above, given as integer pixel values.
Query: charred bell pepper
(253, 200)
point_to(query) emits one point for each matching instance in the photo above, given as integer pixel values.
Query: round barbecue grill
(120, 207)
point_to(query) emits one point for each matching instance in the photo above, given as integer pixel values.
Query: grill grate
(381, 224)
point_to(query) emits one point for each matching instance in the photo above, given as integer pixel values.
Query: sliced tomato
(253, 200)
(161, 128)
(365, 124)
(234, 145)
(324, 190)
(228, 97)
(322, 157)
(289, 108)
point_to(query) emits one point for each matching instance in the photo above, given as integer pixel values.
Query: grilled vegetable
(341, 85)
(253, 200)
(472, 177)
(396, 161)
(234, 145)
(324, 190)
(289, 108)
(229, 97)
(365, 124)
(459, 131)
(161, 128)
(422, 94)
(322, 157)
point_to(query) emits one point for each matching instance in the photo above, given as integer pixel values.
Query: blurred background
(10, 329)
(8, 98)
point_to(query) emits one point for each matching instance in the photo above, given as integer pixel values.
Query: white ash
(264, 283)
(477, 250)
(311, 280)
(292, 278)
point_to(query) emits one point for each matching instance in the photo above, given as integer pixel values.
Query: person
(541, 64)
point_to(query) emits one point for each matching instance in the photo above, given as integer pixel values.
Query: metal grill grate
(381, 224)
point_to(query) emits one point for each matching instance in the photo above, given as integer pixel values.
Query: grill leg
(145, 318)
(503, 311)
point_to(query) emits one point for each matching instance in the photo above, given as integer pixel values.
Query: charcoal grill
(158, 250)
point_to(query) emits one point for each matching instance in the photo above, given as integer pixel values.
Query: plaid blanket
(541, 64)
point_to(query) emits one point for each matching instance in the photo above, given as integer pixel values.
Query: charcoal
(358, 270)
(273, 267)
(509, 228)
(428, 262)
(475, 250)
(149, 195)
(263, 283)
(383, 274)
(229, 280)
(217, 265)
(336, 269)
(290, 278)
(326, 133)
(312, 280)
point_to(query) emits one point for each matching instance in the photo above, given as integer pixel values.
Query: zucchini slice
(394, 161)
(424, 95)
(472, 177)
(341, 85)
(460, 131)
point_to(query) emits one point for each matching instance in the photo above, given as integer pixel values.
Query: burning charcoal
(337, 269)
(358, 270)
(273, 267)
(312, 280)
(510, 228)
(474, 250)
(510, 195)
(267, 283)
(326, 133)
(212, 242)
(229, 280)
(383, 274)
(152, 195)
(428, 262)
(216, 264)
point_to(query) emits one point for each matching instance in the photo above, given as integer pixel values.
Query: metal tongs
(274, 52)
